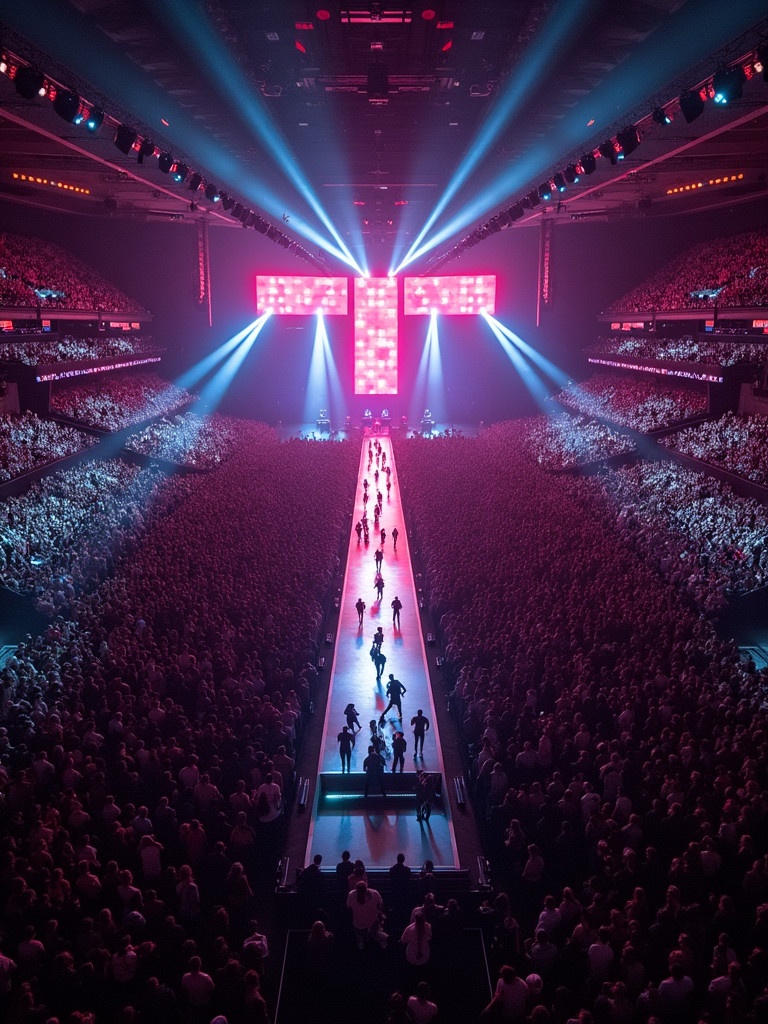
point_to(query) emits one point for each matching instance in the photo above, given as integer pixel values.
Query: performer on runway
(395, 691)
(346, 741)
(396, 607)
(360, 606)
(395, 535)
(420, 726)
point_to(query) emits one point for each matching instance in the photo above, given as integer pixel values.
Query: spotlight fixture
(226, 201)
(237, 209)
(165, 162)
(179, 172)
(660, 116)
(559, 182)
(728, 84)
(629, 139)
(67, 105)
(762, 60)
(95, 119)
(245, 217)
(608, 150)
(195, 182)
(588, 163)
(533, 198)
(147, 148)
(691, 105)
(125, 138)
(212, 193)
(29, 81)
(545, 190)
(515, 212)
(571, 174)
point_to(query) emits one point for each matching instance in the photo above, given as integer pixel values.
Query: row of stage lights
(31, 83)
(726, 85)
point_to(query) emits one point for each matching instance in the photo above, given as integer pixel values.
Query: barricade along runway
(376, 828)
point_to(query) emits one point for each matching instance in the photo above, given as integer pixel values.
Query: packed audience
(617, 745)
(200, 442)
(26, 442)
(140, 733)
(115, 400)
(52, 348)
(738, 444)
(703, 537)
(65, 534)
(565, 441)
(685, 349)
(733, 271)
(37, 273)
(635, 400)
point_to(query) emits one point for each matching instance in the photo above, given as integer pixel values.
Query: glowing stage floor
(376, 829)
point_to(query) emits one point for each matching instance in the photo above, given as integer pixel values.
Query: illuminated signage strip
(302, 296)
(664, 371)
(451, 296)
(83, 371)
(376, 336)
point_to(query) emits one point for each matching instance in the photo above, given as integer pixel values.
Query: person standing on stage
(395, 691)
(395, 535)
(346, 740)
(352, 720)
(380, 661)
(378, 559)
(373, 766)
(378, 586)
(399, 747)
(420, 726)
(396, 607)
(360, 607)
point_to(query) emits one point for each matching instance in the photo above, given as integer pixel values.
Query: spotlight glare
(545, 190)
(660, 116)
(95, 119)
(728, 84)
(180, 172)
(559, 182)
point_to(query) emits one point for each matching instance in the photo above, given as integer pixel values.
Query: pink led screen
(450, 295)
(302, 296)
(376, 336)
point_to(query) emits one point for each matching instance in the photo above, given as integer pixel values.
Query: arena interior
(383, 512)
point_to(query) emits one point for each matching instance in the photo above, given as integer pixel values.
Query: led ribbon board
(302, 296)
(451, 296)
(376, 336)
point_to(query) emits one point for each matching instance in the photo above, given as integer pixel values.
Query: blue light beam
(214, 391)
(527, 375)
(529, 77)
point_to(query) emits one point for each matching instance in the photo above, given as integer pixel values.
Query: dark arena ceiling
(384, 127)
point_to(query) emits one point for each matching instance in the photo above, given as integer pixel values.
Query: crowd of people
(66, 532)
(721, 271)
(685, 349)
(54, 348)
(115, 400)
(635, 400)
(199, 442)
(27, 441)
(565, 441)
(736, 443)
(148, 742)
(617, 744)
(704, 538)
(34, 273)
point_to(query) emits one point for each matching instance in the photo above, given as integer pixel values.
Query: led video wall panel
(452, 296)
(302, 296)
(376, 336)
